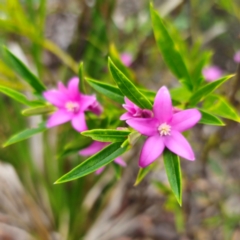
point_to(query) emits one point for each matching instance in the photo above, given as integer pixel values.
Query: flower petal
(146, 126)
(125, 116)
(186, 119)
(152, 149)
(162, 106)
(179, 145)
(92, 148)
(120, 162)
(96, 108)
(86, 101)
(73, 87)
(79, 122)
(55, 97)
(146, 113)
(100, 170)
(130, 109)
(128, 102)
(62, 88)
(126, 59)
(59, 117)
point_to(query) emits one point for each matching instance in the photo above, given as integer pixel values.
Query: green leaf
(220, 106)
(169, 49)
(180, 94)
(108, 90)
(204, 91)
(148, 93)
(142, 173)
(93, 163)
(38, 110)
(128, 88)
(116, 59)
(25, 134)
(23, 71)
(133, 137)
(118, 170)
(81, 77)
(162, 188)
(210, 119)
(173, 169)
(19, 97)
(113, 92)
(74, 146)
(201, 60)
(107, 135)
(176, 99)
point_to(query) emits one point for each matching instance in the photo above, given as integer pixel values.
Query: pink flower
(133, 111)
(71, 105)
(236, 57)
(126, 58)
(164, 130)
(212, 73)
(96, 147)
(95, 107)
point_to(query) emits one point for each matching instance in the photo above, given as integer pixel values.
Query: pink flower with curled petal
(95, 107)
(133, 111)
(212, 73)
(236, 57)
(164, 129)
(96, 147)
(126, 59)
(70, 104)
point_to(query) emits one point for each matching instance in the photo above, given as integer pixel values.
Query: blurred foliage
(205, 32)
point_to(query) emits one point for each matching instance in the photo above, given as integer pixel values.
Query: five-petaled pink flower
(96, 147)
(236, 57)
(71, 105)
(164, 129)
(133, 111)
(126, 59)
(212, 73)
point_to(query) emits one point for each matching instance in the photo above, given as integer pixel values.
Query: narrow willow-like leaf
(93, 163)
(176, 98)
(108, 90)
(204, 91)
(38, 110)
(23, 71)
(162, 188)
(142, 173)
(113, 92)
(116, 59)
(19, 97)
(118, 170)
(169, 50)
(126, 143)
(81, 78)
(173, 169)
(133, 137)
(148, 93)
(197, 70)
(220, 106)
(180, 94)
(127, 88)
(25, 134)
(210, 119)
(107, 135)
(80, 142)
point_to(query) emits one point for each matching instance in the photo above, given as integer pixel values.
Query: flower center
(72, 107)
(164, 129)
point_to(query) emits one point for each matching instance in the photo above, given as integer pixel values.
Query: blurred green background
(51, 38)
